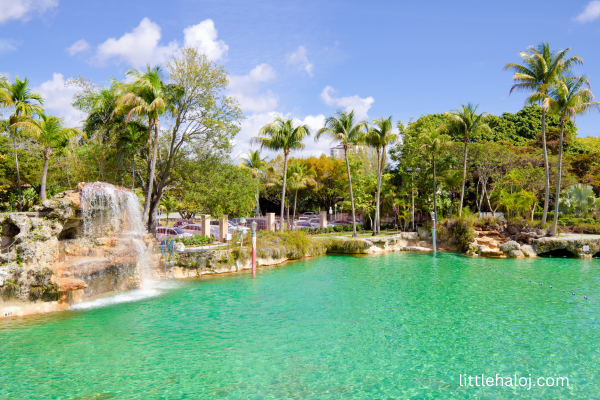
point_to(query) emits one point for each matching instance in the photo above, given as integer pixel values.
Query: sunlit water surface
(396, 326)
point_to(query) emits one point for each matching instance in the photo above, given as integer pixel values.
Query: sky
(304, 59)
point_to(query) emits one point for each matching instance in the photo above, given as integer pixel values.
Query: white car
(315, 222)
(163, 233)
(301, 225)
(310, 214)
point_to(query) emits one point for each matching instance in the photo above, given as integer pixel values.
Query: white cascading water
(109, 208)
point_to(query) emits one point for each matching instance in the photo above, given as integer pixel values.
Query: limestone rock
(528, 251)
(514, 254)
(423, 233)
(68, 284)
(509, 246)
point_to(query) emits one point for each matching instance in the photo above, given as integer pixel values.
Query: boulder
(509, 246)
(513, 230)
(423, 233)
(528, 251)
(514, 254)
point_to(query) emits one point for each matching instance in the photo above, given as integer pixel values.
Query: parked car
(194, 229)
(304, 218)
(339, 222)
(315, 222)
(310, 213)
(163, 233)
(301, 225)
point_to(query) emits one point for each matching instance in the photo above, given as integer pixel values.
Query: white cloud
(299, 59)
(246, 89)
(138, 47)
(78, 47)
(204, 37)
(252, 124)
(142, 45)
(7, 45)
(590, 13)
(58, 99)
(348, 103)
(23, 9)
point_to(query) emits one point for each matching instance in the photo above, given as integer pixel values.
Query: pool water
(395, 326)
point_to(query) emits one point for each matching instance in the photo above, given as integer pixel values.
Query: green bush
(195, 240)
(461, 231)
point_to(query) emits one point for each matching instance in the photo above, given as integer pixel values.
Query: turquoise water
(396, 326)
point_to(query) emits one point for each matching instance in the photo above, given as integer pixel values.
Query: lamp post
(412, 192)
(253, 249)
(433, 216)
(335, 211)
(330, 213)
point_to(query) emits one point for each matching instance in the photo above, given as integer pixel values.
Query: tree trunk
(44, 174)
(257, 192)
(462, 191)
(451, 202)
(295, 198)
(546, 168)
(351, 194)
(434, 191)
(377, 229)
(18, 174)
(151, 174)
(556, 201)
(133, 173)
(285, 160)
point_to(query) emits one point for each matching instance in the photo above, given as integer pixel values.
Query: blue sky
(305, 59)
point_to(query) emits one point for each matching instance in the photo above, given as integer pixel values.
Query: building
(337, 151)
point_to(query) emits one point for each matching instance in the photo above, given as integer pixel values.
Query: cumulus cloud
(138, 47)
(359, 105)
(23, 9)
(590, 13)
(299, 59)
(142, 45)
(7, 45)
(246, 89)
(252, 124)
(58, 99)
(78, 47)
(204, 37)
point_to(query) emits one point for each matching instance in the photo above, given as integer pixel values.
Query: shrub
(461, 231)
(195, 240)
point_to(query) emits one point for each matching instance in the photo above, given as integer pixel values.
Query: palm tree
(300, 176)
(341, 128)
(541, 68)
(50, 133)
(169, 204)
(18, 95)
(453, 180)
(131, 140)
(147, 95)
(433, 142)
(379, 137)
(255, 163)
(281, 135)
(569, 96)
(468, 123)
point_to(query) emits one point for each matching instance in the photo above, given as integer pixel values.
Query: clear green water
(397, 326)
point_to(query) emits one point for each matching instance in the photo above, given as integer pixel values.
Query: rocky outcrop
(580, 246)
(47, 256)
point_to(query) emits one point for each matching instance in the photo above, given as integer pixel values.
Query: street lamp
(254, 224)
(412, 192)
(330, 213)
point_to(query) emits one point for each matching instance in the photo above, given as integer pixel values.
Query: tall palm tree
(453, 180)
(281, 135)
(540, 69)
(18, 96)
(299, 178)
(568, 97)
(131, 140)
(342, 128)
(50, 133)
(379, 137)
(255, 163)
(147, 95)
(433, 142)
(468, 123)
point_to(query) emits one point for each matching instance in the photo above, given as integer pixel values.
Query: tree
(299, 178)
(281, 135)
(578, 199)
(467, 123)
(18, 96)
(379, 137)
(132, 139)
(568, 98)
(50, 133)
(255, 163)
(540, 69)
(147, 95)
(452, 180)
(434, 143)
(341, 128)
(169, 204)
